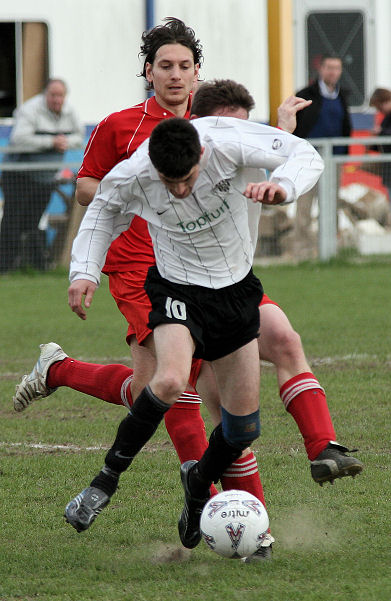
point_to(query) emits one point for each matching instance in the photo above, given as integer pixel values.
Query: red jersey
(113, 140)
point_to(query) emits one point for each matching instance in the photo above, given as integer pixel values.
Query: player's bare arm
(287, 111)
(267, 193)
(85, 190)
(76, 291)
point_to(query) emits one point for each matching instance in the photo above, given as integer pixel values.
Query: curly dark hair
(173, 32)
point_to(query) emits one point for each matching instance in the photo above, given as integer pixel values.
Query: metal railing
(329, 184)
(343, 211)
(332, 208)
(36, 205)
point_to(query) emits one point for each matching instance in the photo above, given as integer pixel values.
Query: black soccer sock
(218, 456)
(134, 431)
(106, 480)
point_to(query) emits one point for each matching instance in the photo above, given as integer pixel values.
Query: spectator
(326, 117)
(381, 100)
(44, 128)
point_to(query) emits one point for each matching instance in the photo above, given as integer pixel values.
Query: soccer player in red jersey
(172, 71)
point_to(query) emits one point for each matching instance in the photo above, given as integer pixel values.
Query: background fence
(349, 208)
(39, 216)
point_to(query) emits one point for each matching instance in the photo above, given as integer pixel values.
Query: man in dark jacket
(326, 117)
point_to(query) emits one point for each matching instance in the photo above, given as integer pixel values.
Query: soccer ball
(234, 524)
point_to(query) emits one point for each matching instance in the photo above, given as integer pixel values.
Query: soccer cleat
(33, 386)
(333, 463)
(85, 507)
(264, 552)
(189, 522)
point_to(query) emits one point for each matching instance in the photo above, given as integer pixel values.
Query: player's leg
(117, 383)
(242, 474)
(174, 349)
(237, 376)
(303, 396)
(183, 421)
(55, 368)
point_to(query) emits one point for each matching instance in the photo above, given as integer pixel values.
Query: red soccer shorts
(127, 289)
(267, 301)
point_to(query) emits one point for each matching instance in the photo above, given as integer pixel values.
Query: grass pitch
(332, 543)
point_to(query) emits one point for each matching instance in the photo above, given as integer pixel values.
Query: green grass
(332, 543)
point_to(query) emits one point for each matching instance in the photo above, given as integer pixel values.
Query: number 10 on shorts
(175, 308)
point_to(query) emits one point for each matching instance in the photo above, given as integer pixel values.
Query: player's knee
(240, 430)
(169, 385)
(286, 343)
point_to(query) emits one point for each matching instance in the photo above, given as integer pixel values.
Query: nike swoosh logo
(161, 212)
(120, 456)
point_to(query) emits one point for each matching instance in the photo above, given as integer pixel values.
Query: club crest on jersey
(222, 188)
(277, 143)
(235, 533)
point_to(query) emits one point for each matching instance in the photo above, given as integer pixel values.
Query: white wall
(234, 38)
(382, 22)
(94, 45)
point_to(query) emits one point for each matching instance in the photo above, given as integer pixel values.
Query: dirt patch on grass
(164, 553)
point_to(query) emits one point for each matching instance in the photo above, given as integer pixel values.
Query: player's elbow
(82, 197)
(85, 190)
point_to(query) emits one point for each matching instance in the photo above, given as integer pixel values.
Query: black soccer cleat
(333, 463)
(189, 522)
(85, 507)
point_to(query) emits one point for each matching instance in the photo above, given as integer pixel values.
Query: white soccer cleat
(33, 386)
(264, 552)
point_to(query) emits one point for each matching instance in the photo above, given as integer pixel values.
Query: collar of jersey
(153, 109)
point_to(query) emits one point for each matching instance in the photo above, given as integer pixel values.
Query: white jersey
(203, 239)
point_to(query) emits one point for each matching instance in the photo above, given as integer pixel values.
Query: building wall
(94, 45)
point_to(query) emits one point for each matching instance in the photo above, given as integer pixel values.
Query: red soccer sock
(305, 400)
(110, 383)
(186, 429)
(243, 474)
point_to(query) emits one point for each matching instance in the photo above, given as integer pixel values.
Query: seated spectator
(44, 128)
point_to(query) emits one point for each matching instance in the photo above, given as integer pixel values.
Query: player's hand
(76, 291)
(286, 112)
(265, 192)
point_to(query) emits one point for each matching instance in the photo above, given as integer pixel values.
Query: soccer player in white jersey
(204, 295)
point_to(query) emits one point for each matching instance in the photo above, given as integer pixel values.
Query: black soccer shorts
(220, 321)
